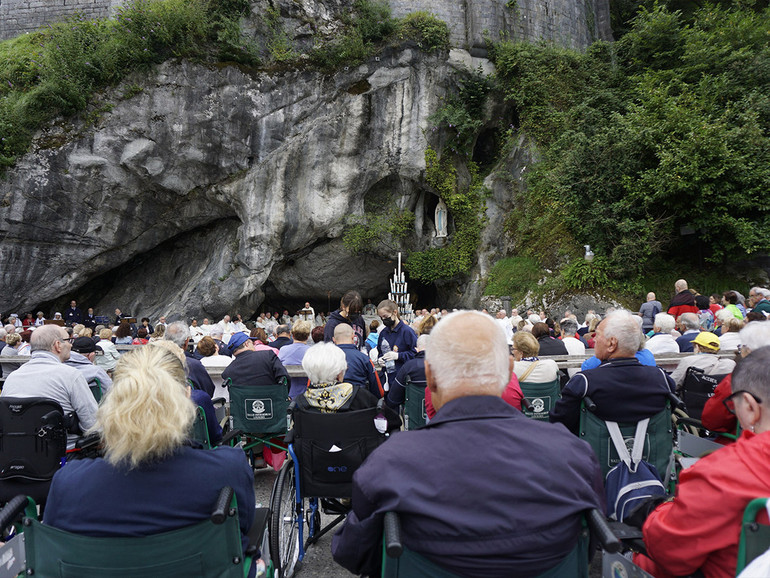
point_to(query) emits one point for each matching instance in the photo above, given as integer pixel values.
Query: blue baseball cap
(237, 340)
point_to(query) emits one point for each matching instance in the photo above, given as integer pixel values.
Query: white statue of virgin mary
(441, 219)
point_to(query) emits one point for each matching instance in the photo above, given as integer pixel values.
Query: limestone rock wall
(207, 179)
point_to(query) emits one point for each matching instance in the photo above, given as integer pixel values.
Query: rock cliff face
(191, 193)
(212, 189)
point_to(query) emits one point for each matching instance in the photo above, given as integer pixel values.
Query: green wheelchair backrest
(755, 537)
(658, 441)
(204, 549)
(200, 431)
(542, 396)
(414, 406)
(411, 564)
(259, 409)
(96, 389)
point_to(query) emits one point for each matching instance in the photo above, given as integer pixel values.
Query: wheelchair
(696, 389)
(399, 561)
(258, 417)
(755, 537)
(33, 446)
(95, 386)
(324, 450)
(658, 445)
(540, 398)
(209, 548)
(414, 406)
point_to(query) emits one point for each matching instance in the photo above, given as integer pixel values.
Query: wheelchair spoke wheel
(284, 522)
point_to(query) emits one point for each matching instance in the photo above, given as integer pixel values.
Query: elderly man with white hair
(689, 325)
(661, 340)
(758, 299)
(623, 389)
(475, 488)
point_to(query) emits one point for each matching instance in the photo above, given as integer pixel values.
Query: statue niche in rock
(441, 219)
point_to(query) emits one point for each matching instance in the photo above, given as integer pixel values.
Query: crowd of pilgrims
(369, 353)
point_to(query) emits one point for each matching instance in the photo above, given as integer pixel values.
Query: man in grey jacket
(46, 375)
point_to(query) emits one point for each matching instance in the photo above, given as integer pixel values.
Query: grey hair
(621, 325)
(285, 328)
(569, 327)
(755, 334)
(680, 285)
(534, 318)
(323, 362)
(3, 333)
(44, 337)
(762, 291)
(178, 332)
(689, 321)
(750, 373)
(422, 341)
(481, 362)
(664, 322)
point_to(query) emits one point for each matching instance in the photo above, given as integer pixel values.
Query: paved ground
(318, 562)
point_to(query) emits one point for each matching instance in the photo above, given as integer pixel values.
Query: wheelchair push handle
(597, 523)
(589, 403)
(12, 510)
(527, 405)
(392, 535)
(222, 505)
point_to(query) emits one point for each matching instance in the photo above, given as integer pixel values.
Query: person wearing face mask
(398, 341)
(349, 312)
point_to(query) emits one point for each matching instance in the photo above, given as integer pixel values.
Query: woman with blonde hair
(142, 485)
(527, 366)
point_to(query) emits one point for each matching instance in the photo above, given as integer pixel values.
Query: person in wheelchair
(705, 347)
(325, 365)
(699, 529)
(149, 480)
(481, 490)
(623, 389)
(716, 417)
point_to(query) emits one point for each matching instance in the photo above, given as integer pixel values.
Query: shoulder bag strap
(530, 369)
(633, 459)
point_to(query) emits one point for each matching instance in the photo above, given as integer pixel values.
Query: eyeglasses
(730, 400)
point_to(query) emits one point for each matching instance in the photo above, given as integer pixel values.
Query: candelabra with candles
(399, 294)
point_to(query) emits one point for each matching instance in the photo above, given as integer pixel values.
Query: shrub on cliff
(658, 145)
(55, 71)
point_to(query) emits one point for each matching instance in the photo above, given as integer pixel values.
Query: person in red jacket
(683, 301)
(700, 528)
(715, 416)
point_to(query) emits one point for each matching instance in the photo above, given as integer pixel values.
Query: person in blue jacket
(397, 341)
(150, 480)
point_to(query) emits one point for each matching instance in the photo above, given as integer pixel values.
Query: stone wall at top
(22, 16)
(572, 23)
(569, 23)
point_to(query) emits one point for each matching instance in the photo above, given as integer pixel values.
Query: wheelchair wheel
(284, 522)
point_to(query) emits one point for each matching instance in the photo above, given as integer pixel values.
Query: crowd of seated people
(464, 361)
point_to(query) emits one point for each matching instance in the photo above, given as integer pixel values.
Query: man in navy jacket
(481, 490)
(623, 389)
